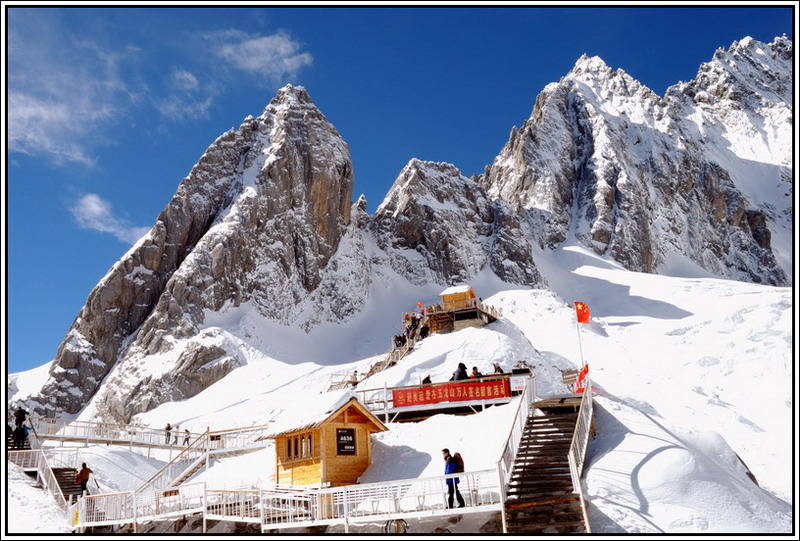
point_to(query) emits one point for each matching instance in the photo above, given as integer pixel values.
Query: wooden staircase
(26, 444)
(540, 495)
(65, 477)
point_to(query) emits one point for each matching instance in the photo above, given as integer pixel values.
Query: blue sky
(109, 108)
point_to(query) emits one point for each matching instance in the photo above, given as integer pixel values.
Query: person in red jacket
(82, 477)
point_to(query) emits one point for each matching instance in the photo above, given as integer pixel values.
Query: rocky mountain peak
(263, 228)
(256, 221)
(601, 154)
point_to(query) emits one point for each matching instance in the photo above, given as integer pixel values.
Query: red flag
(580, 384)
(582, 312)
(419, 305)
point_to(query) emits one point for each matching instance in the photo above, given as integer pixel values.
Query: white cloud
(273, 57)
(184, 80)
(63, 89)
(93, 212)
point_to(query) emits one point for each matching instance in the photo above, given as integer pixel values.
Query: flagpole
(580, 346)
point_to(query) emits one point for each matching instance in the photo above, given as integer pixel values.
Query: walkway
(166, 497)
(221, 443)
(279, 508)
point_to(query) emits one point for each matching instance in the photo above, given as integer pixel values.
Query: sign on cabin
(328, 445)
(345, 441)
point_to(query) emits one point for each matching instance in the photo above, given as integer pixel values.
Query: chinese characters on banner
(451, 392)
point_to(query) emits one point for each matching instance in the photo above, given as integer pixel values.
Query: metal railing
(463, 305)
(236, 438)
(184, 465)
(509, 454)
(505, 464)
(36, 459)
(133, 507)
(93, 432)
(580, 444)
(282, 507)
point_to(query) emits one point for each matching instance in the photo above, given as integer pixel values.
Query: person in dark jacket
(167, 430)
(461, 372)
(451, 466)
(19, 437)
(19, 416)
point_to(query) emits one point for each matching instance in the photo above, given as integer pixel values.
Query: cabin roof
(315, 412)
(455, 289)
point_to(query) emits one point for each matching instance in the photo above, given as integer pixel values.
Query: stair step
(556, 474)
(562, 452)
(537, 527)
(551, 493)
(540, 500)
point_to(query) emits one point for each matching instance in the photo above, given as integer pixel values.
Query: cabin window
(288, 447)
(310, 446)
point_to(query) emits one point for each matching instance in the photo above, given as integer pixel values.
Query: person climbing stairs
(65, 477)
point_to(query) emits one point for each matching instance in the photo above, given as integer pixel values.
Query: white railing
(132, 507)
(236, 505)
(182, 465)
(580, 444)
(509, 454)
(63, 457)
(505, 464)
(377, 501)
(36, 459)
(276, 508)
(92, 432)
(237, 438)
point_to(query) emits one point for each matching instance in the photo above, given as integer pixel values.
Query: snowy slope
(689, 373)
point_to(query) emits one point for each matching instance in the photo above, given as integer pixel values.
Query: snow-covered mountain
(261, 260)
(700, 172)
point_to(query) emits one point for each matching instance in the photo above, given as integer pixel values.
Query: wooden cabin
(458, 310)
(333, 448)
(457, 298)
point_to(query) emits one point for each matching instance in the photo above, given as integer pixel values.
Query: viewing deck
(417, 402)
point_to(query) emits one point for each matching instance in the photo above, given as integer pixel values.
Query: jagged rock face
(264, 221)
(637, 177)
(257, 219)
(435, 225)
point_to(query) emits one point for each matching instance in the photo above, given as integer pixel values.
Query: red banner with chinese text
(451, 392)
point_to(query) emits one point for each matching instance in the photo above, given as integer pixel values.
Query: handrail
(580, 444)
(280, 507)
(50, 428)
(236, 438)
(36, 458)
(178, 466)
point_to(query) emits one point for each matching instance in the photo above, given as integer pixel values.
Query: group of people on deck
(20, 431)
(461, 373)
(412, 329)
